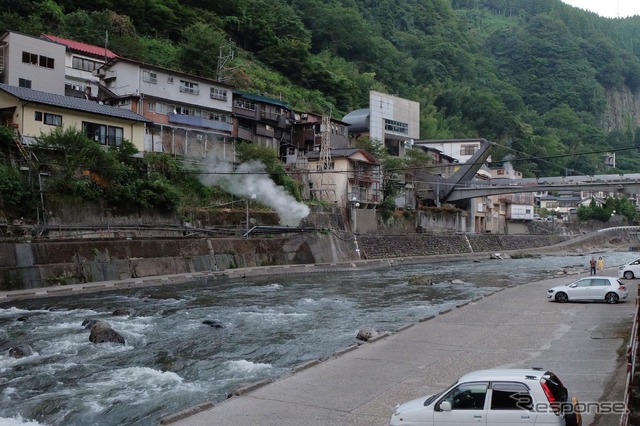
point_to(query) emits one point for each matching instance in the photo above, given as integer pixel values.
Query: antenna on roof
(106, 44)
(222, 60)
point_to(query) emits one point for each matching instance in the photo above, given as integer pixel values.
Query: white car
(630, 271)
(526, 396)
(608, 289)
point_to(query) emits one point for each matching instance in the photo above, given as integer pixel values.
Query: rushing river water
(172, 361)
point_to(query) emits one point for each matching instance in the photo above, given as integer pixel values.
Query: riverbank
(611, 240)
(278, 320)
(313, 268)
(512, 327)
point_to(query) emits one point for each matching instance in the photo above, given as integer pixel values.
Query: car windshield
(437, 395)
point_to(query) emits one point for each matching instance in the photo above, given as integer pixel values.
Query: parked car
(530, 396)
(630, 270)
(609, 289)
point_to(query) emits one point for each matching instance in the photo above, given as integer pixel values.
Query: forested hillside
(532, 76)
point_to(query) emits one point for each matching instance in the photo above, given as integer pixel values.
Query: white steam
(250, 179)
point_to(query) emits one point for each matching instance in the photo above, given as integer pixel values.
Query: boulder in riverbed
(101, 332)
(420, 280)
(20, 351)
(367, 333)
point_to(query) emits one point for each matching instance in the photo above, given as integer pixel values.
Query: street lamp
(253, 197)
(356, 204)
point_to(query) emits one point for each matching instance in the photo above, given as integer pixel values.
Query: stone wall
(40, 264)
(377, 247)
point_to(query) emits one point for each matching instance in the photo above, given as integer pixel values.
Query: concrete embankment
(513, 327)
(39, 264)
(312, 268)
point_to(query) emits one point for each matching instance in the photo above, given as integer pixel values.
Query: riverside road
(514, 327)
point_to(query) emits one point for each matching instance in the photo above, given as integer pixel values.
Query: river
(172, 361)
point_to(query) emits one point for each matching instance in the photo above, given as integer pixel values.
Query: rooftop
(68, 102)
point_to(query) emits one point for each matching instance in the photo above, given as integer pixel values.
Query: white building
(191, 115)
(389, 119)
(32, 63)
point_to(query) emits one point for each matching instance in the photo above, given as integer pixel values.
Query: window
(182, 110)
(46, 62)
(510, 396)
(170, 80)
(245, 104)
(23, 82)
(189, 87)
(38, 116)
(220, 94)
(33, 59)
(468, 396)
(151, 106)
(218, 117)
(149, 77)
(52, 119)
(29, 58)
(468, 149)
(396, 126)
(103, 134)
(84, 64)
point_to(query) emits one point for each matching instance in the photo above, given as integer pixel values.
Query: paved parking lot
(515, 327)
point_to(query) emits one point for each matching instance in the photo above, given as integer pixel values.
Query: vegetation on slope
(530, 76)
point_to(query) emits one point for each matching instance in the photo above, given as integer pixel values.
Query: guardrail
(632, 352)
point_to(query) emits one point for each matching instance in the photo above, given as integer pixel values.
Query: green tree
(199, 50)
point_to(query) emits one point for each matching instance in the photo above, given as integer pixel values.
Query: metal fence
(632, 352)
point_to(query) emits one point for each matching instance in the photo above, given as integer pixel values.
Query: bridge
(476, 188)
(462, 185)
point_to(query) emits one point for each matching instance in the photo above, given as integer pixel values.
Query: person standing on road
(600, 264)
(592, 264)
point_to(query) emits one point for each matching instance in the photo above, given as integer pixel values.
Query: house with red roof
(81, 64)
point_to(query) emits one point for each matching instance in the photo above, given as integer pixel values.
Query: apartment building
(262, 120)
(308, 131)
(189, 115)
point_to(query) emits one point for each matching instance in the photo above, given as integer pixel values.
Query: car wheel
(611, 297)
(562, 297)
(628, 275)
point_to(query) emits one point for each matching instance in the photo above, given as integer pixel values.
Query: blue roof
(69, 102)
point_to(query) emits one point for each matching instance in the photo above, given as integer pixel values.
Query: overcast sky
(608, 8)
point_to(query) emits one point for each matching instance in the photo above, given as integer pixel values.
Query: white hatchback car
(608, 289)
(630, 271)
(493, 397)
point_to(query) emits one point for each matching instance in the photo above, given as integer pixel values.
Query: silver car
(608, 289)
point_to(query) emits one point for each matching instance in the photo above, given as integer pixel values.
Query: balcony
(271, 116)
(199, 122)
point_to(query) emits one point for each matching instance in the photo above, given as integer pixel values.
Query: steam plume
(250, 179)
